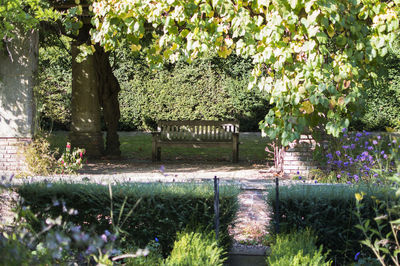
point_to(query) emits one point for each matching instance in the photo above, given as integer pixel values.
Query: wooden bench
(196, 133)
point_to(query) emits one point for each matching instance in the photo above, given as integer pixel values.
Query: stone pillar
(85, 106)
(18, 66)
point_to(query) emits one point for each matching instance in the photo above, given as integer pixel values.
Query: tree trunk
(86, 126)
(108, 89)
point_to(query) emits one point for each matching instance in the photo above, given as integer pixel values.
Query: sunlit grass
(138, 146)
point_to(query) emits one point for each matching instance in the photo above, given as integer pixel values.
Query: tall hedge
(201, 90)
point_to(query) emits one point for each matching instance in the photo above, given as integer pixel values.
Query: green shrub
(296, 248)
(381, 100)
(329, 211)
(53, 93)
(39, 157)
(159, 210)
(195, 249)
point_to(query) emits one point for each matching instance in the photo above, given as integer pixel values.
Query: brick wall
(298, 157)
(11, 158)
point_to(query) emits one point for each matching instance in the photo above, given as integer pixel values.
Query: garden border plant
(330, 212)
(162, 212)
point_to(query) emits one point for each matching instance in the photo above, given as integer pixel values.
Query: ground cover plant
(296, 248)
(330, 212)
(59, 241)
(157, 210)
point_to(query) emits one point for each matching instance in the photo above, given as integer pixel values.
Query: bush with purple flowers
(364, 157)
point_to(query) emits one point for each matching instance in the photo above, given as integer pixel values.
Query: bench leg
(156, 152)
(159, 154)
(235, 148)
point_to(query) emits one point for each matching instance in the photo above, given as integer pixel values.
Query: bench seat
(196, 134)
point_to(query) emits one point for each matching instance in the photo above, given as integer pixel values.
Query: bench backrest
(197, 130)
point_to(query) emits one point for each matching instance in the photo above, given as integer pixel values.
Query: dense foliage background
(210, 88)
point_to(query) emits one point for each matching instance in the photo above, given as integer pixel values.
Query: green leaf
(321, 37)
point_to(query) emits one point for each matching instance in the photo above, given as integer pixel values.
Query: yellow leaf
(331, 30)
(390, 129)
(332, 104)
(307, 107)
(341, 101)
(135, 47)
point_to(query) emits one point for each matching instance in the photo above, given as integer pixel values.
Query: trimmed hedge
(207, 89)
(329, 211)
(162, 210)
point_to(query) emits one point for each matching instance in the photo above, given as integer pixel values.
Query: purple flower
(338, 153)
(370, 148)
(156, 239)
(356, 178)
(356, 139)
(356, 256)
(107, 233)
(345, 147)
(394, 141)
(379, 137)
(358, 135)
(90, 249)
(338, 176)
(316, 182)
(349, 183)
(104, 237)
(298, 172)
(300, 177)
(344, 130)
(385, 156)
(162, 168)
(113, 238)
(382, 152)
(374, 142)
(353, 146)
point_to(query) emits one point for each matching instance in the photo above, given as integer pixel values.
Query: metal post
(277, 206)
(216, 206)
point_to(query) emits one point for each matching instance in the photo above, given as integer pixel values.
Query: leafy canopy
(24, 14)
(312, 57)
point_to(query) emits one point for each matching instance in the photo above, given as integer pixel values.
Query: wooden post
(277, 229)
(156, 151)
(216, 206)
(235, 147)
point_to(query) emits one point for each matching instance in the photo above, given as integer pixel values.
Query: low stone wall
(11, 157)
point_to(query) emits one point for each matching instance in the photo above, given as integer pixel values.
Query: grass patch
(138, 146)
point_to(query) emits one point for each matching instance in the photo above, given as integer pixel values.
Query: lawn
(137, 145)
